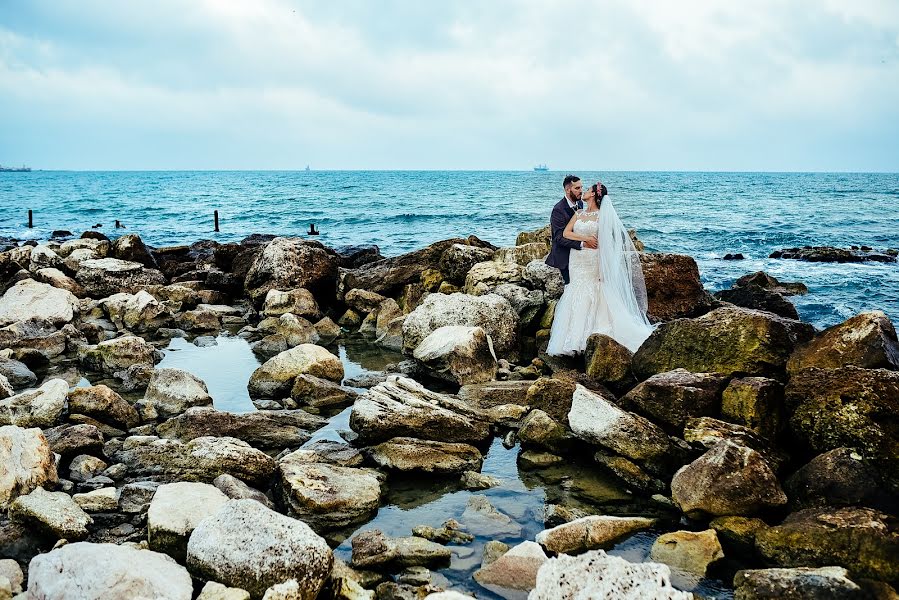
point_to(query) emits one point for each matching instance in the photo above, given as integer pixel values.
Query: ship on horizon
(22, 169)
(541, 168)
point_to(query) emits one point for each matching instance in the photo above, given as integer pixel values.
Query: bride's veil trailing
(622, 276)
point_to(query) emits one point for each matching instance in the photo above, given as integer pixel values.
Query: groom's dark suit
(561, 247)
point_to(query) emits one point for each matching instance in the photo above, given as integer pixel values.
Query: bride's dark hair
(600, 191)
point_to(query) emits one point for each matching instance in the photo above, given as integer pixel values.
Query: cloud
(579, 84)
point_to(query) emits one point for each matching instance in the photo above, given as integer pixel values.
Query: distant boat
(22, 169)
(307, 168)
(541, 168)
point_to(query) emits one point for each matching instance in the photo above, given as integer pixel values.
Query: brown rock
(673, 397)
(757, 403)
(866, 340)
(673, 287)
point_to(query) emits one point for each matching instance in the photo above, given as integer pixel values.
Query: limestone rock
(325, 451)
(119, 354)
(103, 404)
(514, 570)
(599, 575)
(290, 263)
(401, 407)
(236, 489)
(759, 299)
(608, 361)
(496, 393)
(6, 390)
(17, 373)
(738, 533)
(539, 275)
(173, 391)
(328, 496)
(72, 440)
(54, 513)
(35, 340)
(867, 340)
(12, 572)
(249, 546)
(770, 283)
(102, 277)
(458, 354)
(458, 259)
(727, 340)
(729, 479)
(863, 540)
(103, 500)
(200, 459)
(176, 510)
(482, 518)
(490, 312)
(522, 254)
(29, 299)
(597, 420)
(216, 591)
(540, 430)
(84, 467)
(801, 583)
(373, 549)
(85, 571)
(320, 393)
(484, 277)
(59, 280)
(275, 377)
(527, 303)
(260, 429)
(27, 460)
(846, 407)
(673, 397)
(363, 301)
(589, 533)
(692, 551)
(708, 432)
(131, 248)
(757, 403)
(673, 287)
(553, 395)
(425, 456)
(840, 477)
(42, 407)
(299, 302)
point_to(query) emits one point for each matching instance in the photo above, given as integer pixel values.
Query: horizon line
(433, 170)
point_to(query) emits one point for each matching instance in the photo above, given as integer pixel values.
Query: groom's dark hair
(569, 179)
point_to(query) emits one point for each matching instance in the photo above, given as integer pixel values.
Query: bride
(607, 293)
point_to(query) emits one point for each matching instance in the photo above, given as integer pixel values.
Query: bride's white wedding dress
(607, 293)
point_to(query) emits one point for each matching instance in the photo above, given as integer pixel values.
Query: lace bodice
(585, 223)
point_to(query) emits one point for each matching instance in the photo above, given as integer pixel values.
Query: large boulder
(730, 479)
(260, 429)
(863, 540)
(172, 391)
(597, 420)
(756, 403)
(29, 299)
(59, 280)
(276, 376)
(51, 513)
(727, 340)
(131, 248)
(201, 459)
(759, 299)
(328, 496)
(289, 263)
(102, 277)
(490, 312)
(866, 340)
(248, 546)
(599, 575)
(458, 354)
(407, 454)
(17, 373)
(458, 259)
(176, 510)
(673, 397)
(71, 440)
(402, 407)
(484, 277)
(847, 407)
(522, 254)
(118, 354)
(27, 460)
(673, 287)
(801, 583)
(840, 477)
(691, 551)
(136, 312)
(540, 276)
(36, 341)
(771, 283)
(85, 571)
(103, 404)
(42, 407)
(590, 533)
(516, 570)
(608, 361)
(299, 302)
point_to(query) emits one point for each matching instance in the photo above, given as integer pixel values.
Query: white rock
(176, 510)
(216, 591)
(458, 354)
(102, 500)
(29, 299)
(52, 512)
(6, 390)
(42, 407)
(85, 571)
(12, 572)
(515, 570)
(173, 391)
(60, 280)
(299, 302)
(275, 377)
(43, 256)
(249, 546)
(27, 460)
(591, 532)
(598, 575)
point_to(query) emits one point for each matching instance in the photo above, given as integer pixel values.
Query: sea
(706, 215)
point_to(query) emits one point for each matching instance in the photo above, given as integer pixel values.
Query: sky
(767, 85)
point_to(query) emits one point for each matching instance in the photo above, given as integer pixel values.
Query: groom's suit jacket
(561, 247)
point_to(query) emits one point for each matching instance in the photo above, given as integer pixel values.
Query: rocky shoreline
(754, 438)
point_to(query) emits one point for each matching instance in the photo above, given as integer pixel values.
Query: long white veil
(622, 279)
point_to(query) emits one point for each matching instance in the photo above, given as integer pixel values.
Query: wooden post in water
(215, 214)
(30, 219)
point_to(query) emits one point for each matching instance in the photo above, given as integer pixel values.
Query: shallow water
(412, 501)
(705, 215)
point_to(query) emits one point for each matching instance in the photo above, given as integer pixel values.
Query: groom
(558, 220)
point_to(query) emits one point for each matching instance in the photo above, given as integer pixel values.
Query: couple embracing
(604, 287)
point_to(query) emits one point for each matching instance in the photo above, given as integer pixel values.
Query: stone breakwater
(756, 437)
